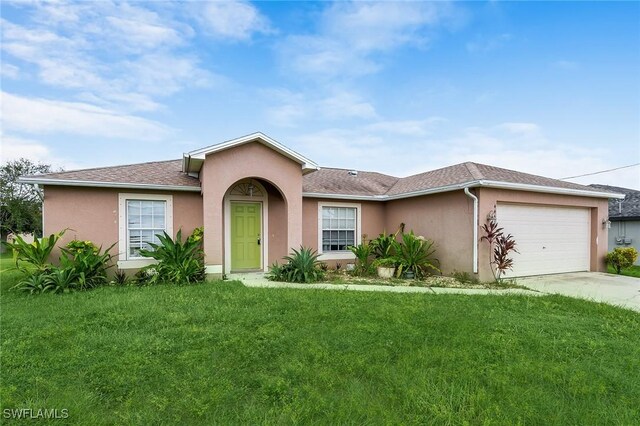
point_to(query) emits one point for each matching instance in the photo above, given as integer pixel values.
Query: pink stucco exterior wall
(92, 213)
(445, 218)
(490, 197)
(252, 160)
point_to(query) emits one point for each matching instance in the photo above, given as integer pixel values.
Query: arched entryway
(255, 226)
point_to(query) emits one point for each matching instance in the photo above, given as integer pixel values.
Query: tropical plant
(383, 245)
(302, 266)
(120, 278)
(63, 280)
(178, 262)
(363, 253)
(197, 234)
(415, 254)
(385, 262)
(35, 254)
(621, 258)
(34, 283)
(500, 248)
(89, 262)
(75, 246)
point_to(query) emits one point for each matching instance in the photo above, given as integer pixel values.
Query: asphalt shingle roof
(325, 180)
(153, 173)
(627, 208)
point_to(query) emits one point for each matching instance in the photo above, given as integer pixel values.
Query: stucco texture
(223, 169)
(92, 213)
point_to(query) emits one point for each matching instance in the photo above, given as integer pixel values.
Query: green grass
(633, 271)
(222, 353)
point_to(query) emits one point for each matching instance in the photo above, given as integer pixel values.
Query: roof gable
(192, 161)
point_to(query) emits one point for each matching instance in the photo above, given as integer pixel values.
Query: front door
(246, 233)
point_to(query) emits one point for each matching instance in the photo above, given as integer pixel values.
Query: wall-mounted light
(606, 224)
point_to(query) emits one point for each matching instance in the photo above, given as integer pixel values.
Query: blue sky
(546, 88)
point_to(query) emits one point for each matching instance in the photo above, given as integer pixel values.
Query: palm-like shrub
(178, 262)
(383, 246)
(302, 266)
(415, 254)
(500, 248)
(35, 283)
(363, 253)
(88, 261)
(35, 254)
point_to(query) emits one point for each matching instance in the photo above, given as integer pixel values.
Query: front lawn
(633, 271)
(222, 353)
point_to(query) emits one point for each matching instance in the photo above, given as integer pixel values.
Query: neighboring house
(257, 199)
(624, 215)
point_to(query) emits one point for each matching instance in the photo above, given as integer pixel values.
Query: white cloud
(291, 109)
(14, 148)
(482, 43)
(9, 71)
(388, 148)
(235, 20)
(351, 34)
(120, 55)
(42, 116)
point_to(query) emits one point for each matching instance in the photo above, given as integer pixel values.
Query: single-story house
(624, 215)
(257, 199)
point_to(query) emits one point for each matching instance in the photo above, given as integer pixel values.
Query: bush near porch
(222, 353)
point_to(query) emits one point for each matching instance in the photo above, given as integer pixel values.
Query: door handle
(258, 239)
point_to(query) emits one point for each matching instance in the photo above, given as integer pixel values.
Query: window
(338, 228)
(140, 218)
(145, 219)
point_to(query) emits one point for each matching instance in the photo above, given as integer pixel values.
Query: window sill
(337, 255)
(135, 263)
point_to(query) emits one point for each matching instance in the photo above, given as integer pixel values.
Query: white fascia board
(391, 197)
(548, 189)
(307, 165)
(471, 184)
(96, 184)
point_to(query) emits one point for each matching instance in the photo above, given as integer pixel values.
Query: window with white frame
(339, 228)
(145, 220)
(142, 217)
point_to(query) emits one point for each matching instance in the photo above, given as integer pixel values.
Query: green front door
(246, 230)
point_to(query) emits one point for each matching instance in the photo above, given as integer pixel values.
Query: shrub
(35, 254)
(178, 262)
(363, 253)
(120, 278)
(35, 283)
(89, 263)
(79, 245)
(383, 246)
(622, 258)
(500, 247)
(302, 266)
(385, 262)
(197, 234)
(63, 280)
(415, 253)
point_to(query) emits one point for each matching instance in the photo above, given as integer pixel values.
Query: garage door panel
(549, 239)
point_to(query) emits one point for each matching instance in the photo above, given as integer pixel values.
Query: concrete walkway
(258, 280)
(613, 289)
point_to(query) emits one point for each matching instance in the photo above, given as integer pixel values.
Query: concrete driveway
(614, 289)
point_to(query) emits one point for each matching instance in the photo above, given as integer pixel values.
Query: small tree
(20, 204)
(622, 258)
(500, 247)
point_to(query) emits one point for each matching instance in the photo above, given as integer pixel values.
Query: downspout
(475, 229)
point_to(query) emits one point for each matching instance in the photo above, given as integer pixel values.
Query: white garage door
(550, 240)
